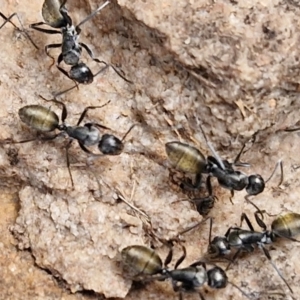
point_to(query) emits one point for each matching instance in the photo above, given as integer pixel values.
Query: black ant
(189, 159)
(285, 226)
(56, 15)
(44, 120)
(144, 261)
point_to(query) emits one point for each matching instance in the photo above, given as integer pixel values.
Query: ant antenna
(266, 252)
(55, 95)
(130, 128)
(194, 226)
(237, 287)
(279, 163)
(212, 149)
(93, 14)
(23, 31)
(256, 207)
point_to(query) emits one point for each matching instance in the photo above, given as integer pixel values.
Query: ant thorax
(190, 277)
(233, 180)
(219, 246)
(88, 136)
(71, 50)
(200, 277)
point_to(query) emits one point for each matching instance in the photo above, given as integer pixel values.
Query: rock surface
(230, 65)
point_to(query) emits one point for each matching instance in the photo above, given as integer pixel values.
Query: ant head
(110, 145)
(217, 278)
(218, 246)
(256, 185)
(81, 73)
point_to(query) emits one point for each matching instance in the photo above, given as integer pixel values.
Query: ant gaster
(144, 261)
(56, 15)
(44, 120)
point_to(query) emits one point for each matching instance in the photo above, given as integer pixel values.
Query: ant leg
(52, 46)
(23, 31)
(24, 141)
(8, 19)
(259, 221)
(89, 51)
(50, 138)
(204, 205)
(231, 196)
(87, 150)
(67, 74)
(43, 138)
(234, 258)
(64, 112)
(76, 84)
(68, 162)
(96, 125)
(48, 31)
(201, 296)
(290, 129)
(267, 254)
(169, 257)
(237, 161)
(244, 217)
(256, 207)
(188, 185)
(181, 258)
(86, 110)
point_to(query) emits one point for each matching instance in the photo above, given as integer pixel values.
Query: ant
(145, 262)
(189, 159)
(44, 120)
(285, 226)
(23, 31)
(56, 16)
